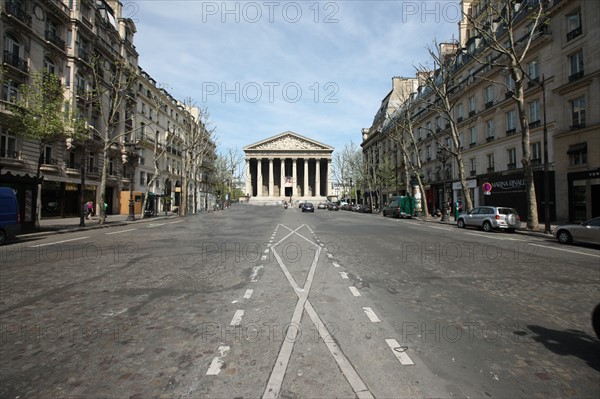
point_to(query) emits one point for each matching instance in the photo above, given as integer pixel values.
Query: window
(578, 113)
(8, 145)
(489, 130)
(511, 127)
(49, 66)
(489, 96)
(461, 139)
(473, 132)
(534, 114)
(47, 155)
(534, 70)
(471, 105)
(459, 113)
(578, 154)
(10, 91)
(473, 166)
(90, 162)
(69, 38)
(428, 152)
(510, 84)
(142, 178)
(68, 76)
(535, 150)
(573, 25)
(576, 62)
(511, 154)
(490, 162)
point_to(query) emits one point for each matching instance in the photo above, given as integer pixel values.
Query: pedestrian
(105, 209)
(90, 209)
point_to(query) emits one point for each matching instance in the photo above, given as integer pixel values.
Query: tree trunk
(102, 211)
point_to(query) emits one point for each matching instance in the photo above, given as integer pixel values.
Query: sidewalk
(67, 225)
(522, 229)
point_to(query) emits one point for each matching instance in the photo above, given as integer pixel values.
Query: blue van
(10, 220)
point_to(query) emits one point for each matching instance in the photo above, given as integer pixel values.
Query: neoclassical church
(288, 165)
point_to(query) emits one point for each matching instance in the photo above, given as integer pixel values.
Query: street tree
(41, 113)
(503, 45)
(401, 129)
(112, 100)
(442, 98)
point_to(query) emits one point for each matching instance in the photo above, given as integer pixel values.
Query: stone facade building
(562, 97)
(286, 166)
(82, 42)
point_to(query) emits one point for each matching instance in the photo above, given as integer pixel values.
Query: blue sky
(319, 69)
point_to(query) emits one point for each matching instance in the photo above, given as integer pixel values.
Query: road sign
(487, 188)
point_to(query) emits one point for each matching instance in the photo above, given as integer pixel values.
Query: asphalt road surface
(267, 302)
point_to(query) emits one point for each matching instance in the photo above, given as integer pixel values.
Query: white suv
(489, 218)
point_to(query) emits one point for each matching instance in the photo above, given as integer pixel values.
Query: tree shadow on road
(569, 343)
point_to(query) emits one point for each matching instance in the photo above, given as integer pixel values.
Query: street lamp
(443, 157)
(130, 157)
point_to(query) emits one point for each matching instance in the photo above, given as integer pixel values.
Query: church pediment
(288, 142)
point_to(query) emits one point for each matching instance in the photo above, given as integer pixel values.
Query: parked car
(308, 207)
(322, 205)
(489, 218)
(586, 232)
(10, 220)
(399, 207)
(333, 207)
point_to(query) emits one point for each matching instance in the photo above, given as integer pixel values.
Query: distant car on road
(322, 205)
(333, 207)
(586, 232)
(308, 207)
(489, 218)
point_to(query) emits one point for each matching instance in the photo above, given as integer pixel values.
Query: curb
(519, 230)
(93, 226)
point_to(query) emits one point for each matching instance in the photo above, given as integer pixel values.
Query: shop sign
(71, 187)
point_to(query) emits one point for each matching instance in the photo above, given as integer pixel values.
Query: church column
(294, 177)
(271, 177)
(328, 177)
(259, 178)
(248, 178)
(305, 188)
(318, 177)
(282, 179)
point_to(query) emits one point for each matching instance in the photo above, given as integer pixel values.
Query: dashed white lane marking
(248, 294)
(371, 315)
(335, 264)
(58, 242)
(119, 232)
(344, 275)
(399, 352)
(254, 275)
(237, 317)
(565, 250)
(354, 291)
(217, 362)
(155, 225)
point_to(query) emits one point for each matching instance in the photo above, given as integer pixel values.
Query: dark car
(308, 207)
(9, 215)
(365, 209)
(333, 207)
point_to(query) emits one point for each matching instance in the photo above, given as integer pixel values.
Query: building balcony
(490, 169)
(489, 139)
(471, 145)
(535, 124)
(472, 113)
(15, 61)
(511, 132)
(574, 33)
(473, 173)
(53, 38)
(575, 76)
(511, 166)
(536, 161)
(459, 119)
(508, 94)
(579, 125)
(489, 104)
(15, 10)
